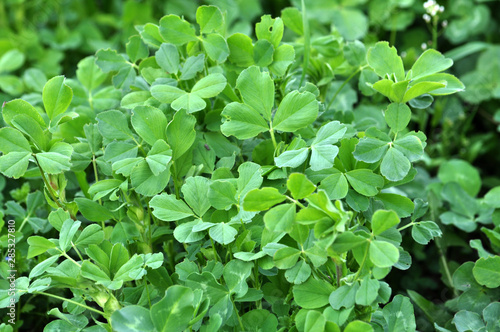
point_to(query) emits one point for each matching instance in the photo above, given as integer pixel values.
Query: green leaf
(280, 218)
(492, 197)
(323, 156)
(209, 18)
(299, 273)
(286, 257)
(40, 268)
(192, 66)
(118, 151)
(283, 57)
(263, 53)
(367, 292)
(411, 146)
(424, 231)
(16, 107)
(344, 296)
(399, 315)
(175, 310)
(468, 321)
(56, 96)
(395, 165)
(89, 74)
(250, 178)
(293, 158)
(335, 186)
(11, 60)
(397, 116)
(209, 86)
(195, 191)
(463, 173)
(297, 110)
(313, 293)
(358, 326)
(109, 60)
(257, 90)
(242, 121)
(168, 208)
(382, 220)
(486, 271)
(223, 233)
(135, 98)
(370, 150)
(330, 133)
(93, 211)
(38, 245)
(53, 162)
(92, 234)
(383, 254)
(452, 83)
(235, 275)
(14, 164)
(240, 50)
(145, 182)
(11, 140)
(132, 317)
(293, 19)
(385, 61)
(270, 29)
(222, 195)
(158, 157)
(68, 231)
(315, 321)
(259, 319)
(299, 185)
(364, 181)
(262, 199)
(150, 123)
(136, 49)
(166, 93)
(421, 88)
(29, 127)
(113, 125)
(403, 206)
(181, 133)
(175, 30)
(216, 47)
(430, 62)
(167, 57)
(93, 272)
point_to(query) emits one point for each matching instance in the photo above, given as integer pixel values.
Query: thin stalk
(238, 316)
(77, 252)
(71, 259)
(296, 202)
(73, 302)
(434, 32)
(307, 42)
(343, 85)
(215, 251)
(406, 226)
(271, 131)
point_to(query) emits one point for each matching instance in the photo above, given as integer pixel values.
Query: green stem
(406, 226)
(77, 252)
(343, 85)
(73, 302)
(71, 259)
(271, 131)
(238, 316)
(307, 42)
(296, 202)
(434, 32)
(215, 251)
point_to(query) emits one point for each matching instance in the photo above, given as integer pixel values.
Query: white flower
(424, 46)
(427, 18)
(433, 8)
(444, 24)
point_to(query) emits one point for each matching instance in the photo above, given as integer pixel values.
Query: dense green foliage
(218, 168)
